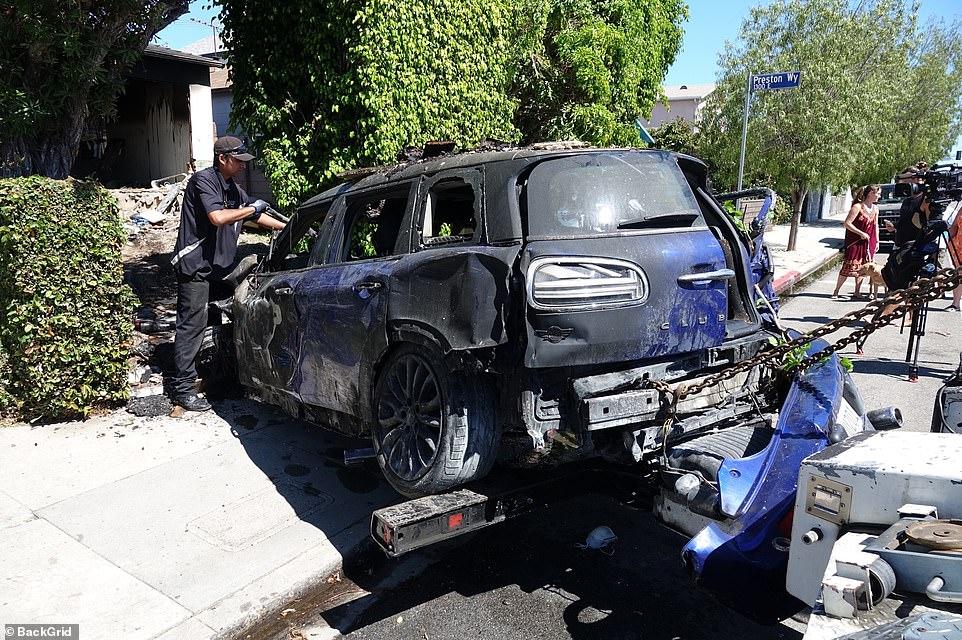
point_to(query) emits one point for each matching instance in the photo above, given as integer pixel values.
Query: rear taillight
(567, 283)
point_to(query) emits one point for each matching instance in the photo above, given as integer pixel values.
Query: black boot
(190, 401)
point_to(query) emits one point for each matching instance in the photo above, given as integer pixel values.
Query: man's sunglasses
(240, 149)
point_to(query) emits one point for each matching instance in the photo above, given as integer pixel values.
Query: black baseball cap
(232, 146)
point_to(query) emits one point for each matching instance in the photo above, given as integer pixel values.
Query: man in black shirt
(913, 216)
(914, 212)
(212, 215)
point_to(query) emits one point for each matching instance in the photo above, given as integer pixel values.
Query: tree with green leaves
(62, 64)
(925, 116)
(586, 69)
(676, 135)
(327, 86)
(865, 105)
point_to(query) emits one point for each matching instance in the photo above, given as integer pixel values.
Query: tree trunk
(798, 197)
(51, 156)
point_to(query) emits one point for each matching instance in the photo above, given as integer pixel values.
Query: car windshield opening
(888, 194)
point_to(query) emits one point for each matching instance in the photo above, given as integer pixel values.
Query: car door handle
(283, 291)
(368, 285)
(718, 274)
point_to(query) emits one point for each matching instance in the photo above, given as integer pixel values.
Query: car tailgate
(623, 298)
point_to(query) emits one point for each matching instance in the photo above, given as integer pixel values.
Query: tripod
(921, 314)
(916, 331)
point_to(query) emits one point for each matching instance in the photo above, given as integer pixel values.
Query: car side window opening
(450, 213)
(375, 225)
(299, 245)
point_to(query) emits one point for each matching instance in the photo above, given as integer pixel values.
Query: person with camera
(911, 218)
(213, 212)
(954, 247)
(920, 227)
(861, 238)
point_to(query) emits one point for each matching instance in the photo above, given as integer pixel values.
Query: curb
(296, 580)
(785, 282)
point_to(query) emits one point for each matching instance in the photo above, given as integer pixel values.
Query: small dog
(875, 280)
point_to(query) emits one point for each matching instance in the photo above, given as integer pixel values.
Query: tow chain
(901, 302)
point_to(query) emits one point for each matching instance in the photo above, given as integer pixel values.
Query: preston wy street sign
(782, 80)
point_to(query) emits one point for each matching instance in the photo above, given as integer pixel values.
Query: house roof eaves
(690, 91)
(155, 51)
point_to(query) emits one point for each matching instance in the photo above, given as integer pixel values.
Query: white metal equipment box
(865, 480)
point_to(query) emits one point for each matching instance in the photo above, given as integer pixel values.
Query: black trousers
(193, 296)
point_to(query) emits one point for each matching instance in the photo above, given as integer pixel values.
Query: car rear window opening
(599, 194)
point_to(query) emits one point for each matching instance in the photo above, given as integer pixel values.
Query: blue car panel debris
(745, 562)
(526, 307)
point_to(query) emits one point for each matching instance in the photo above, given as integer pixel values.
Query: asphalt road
(881, 373)
(527, 578)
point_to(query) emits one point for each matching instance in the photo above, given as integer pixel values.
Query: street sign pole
(741, 158)
(762, 82)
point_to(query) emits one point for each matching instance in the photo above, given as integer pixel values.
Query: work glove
(259, 205)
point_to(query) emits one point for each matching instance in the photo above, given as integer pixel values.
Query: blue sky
(710, 24)
(187, 28)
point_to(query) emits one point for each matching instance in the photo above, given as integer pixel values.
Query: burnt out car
(519, 306)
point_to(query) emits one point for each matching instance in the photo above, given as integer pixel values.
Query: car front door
(342, 301)
(266, 311)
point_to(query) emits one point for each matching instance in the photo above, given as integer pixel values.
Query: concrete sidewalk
(165, 527)
(817, 245)
(196, 527)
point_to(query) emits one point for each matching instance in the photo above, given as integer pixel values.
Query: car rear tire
(434, 428)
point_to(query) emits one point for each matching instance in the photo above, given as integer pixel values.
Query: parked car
(889, 204)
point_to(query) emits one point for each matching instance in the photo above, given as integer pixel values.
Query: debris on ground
(602, 539)
(149, 406)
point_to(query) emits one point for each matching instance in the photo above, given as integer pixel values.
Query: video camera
(941, 185)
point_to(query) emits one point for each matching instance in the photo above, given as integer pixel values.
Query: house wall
(221, 102)
(686, 109)
(152, 135)
(201, 126)
(164, 124)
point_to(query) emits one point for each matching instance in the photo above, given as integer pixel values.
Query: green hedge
(379, 76)
(65, 312)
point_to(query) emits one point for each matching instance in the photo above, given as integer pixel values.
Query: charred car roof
(522, 156)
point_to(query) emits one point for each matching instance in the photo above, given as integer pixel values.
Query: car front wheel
(434, 428)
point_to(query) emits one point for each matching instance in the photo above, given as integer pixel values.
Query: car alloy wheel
(409, 416)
